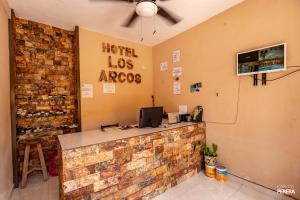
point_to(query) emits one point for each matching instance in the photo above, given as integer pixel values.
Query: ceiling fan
(147, 8)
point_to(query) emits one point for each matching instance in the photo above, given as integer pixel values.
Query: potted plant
(210, 154)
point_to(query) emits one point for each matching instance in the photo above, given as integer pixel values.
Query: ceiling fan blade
(131, 20)
(168, 16)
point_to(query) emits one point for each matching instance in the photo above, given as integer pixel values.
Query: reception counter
(128, 164)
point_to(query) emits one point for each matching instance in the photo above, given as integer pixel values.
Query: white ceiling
(106, 17)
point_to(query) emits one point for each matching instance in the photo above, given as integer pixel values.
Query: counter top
(87, 138)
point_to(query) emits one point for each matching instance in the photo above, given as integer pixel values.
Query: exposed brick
(143, 173)
(79, 192)
(159, 149)
(111, 171)
(104, 193)
(38, 112)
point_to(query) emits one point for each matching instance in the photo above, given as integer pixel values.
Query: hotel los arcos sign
(115, 73)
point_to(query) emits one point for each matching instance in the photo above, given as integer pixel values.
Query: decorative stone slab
(45, 86)
(138, 167)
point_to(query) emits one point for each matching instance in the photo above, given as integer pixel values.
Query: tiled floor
(198, 187)
(37, 189)
(201, 187)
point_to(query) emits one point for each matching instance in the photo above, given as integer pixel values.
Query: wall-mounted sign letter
(110, 63)
(129, 64)
(122, 77)
(119, 63)
(130, 78)
(105, 47)
(112, 76)
(138, 78)
(103, 76)
(114, 49)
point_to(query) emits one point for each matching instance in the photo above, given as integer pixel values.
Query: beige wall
(6, 179)
(263, 146)
(123, 106)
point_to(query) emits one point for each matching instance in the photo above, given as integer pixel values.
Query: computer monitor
(150, 117)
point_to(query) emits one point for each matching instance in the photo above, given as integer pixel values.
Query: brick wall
(46, 92)
(142, 166)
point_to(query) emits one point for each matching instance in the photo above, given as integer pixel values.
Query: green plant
(210, 151)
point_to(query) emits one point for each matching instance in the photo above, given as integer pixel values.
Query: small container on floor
(221, 173)
(210, 171)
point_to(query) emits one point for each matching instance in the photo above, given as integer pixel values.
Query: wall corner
(5, 7)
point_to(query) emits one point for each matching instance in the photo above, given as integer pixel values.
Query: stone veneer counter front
(130, 164)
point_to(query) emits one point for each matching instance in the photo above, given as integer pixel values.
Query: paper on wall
(164, 66)
(176, 88)
(109, 88)
(183, 109)
(176, 56)
(87, 91)
(177, 71)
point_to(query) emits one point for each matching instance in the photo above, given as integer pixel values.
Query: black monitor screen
(150, 117)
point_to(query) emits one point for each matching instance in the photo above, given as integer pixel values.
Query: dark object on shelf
(198, 113)
(185, 118)
(153, 100)
(108, 126)
(255, 80)
(264, 79)
(127, 127)
(150, 117)
(165, 115)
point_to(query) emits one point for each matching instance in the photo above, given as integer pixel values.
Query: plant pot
(210, 160)
(210, 171)
(221, 173)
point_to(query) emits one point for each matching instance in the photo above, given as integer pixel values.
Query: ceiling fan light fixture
(146, 9)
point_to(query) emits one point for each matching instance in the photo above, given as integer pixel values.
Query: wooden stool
(43, 168)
